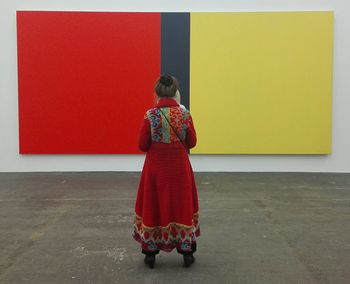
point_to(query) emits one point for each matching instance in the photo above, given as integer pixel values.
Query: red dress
(166, 209)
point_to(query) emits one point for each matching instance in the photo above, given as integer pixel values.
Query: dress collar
(165, 102)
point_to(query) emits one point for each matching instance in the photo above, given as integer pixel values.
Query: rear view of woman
(166, 209)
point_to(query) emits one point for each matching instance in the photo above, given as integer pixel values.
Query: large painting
(255, 83)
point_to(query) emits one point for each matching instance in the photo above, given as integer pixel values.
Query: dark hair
(166, 86)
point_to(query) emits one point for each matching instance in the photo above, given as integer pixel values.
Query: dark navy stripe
(175, 52)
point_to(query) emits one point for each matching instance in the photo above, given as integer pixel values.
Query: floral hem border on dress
(166, 238)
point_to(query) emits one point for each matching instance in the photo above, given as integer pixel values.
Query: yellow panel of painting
(261, 83)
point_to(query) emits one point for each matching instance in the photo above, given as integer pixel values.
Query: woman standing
(166, 209)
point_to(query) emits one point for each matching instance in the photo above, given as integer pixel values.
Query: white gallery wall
(12, 161)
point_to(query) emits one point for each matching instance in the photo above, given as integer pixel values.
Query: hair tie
(166, 80)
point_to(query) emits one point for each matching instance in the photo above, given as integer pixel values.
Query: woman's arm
(191, 137)
(145, 139)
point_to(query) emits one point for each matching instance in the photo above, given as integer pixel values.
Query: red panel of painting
(85, 80)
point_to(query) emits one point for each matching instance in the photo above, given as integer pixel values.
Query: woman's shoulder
(150, 112)
(184, 110)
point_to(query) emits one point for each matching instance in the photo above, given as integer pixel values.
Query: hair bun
(166, 80)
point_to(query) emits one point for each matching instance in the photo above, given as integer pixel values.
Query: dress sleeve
(191, 137)
(145, 139)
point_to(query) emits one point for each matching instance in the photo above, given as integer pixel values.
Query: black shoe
(188, 259)
(150, 260)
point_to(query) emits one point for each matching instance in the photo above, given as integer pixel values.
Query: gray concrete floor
(256, 228)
